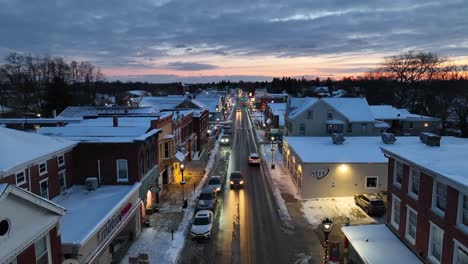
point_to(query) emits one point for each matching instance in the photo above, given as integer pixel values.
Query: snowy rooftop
(353, 150)
(306, 103)
(82, 220)
(81, 111)
(210, 102)
(18, 147)
(448, 160)
(163, 102)
(138, 92)
(388, 112)
(123, 121)
(377, 244)
(181, 113)
(354, 109)
(278, 109)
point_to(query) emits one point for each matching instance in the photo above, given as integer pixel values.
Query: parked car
(225, 140)
(215, 183)
(372, 204)
(383, 195)
(202, 224)
(236, 179)
(207, 199)
(254, 159)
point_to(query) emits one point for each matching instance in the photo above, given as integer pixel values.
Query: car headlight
(232, 182)
(241, 182)
(218, 189)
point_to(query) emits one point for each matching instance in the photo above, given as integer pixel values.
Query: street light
(327, 225)
(182, 182)
(208, 132)
(272, 152)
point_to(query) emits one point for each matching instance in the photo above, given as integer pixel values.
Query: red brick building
(37, 163)
(200, 127)
(29, 227)
(428, 198)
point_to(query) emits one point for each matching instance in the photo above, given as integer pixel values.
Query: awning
(334, 122)
(180, 156)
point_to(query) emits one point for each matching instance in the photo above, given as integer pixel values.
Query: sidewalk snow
(315, 210)
(158, 244)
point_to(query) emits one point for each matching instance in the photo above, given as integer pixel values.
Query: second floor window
(20, 178)
(329, 114)
(310, 114)
(122, 170)
(414, 183)
(301, 129)
(42, 250)
(439, 201)
(42, 168)
(398, 175)
(463, 212)
(166, 150)
(61, 160)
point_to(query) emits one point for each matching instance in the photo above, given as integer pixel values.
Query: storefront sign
(320, 173)
(113, 222)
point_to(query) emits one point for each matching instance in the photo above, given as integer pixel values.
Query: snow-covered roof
(210, 102)
(381, 124)
(353, 150)
(81, 111)
(82, 220)
(295, 102)
(138, 92)
(385, 112)
(448, 160)
(415, 117)
(307, 102)
(181, 113)
(278, 109)
(163, 102)
(377, 244)
(19, 148)
(123, 121)
(354, 109)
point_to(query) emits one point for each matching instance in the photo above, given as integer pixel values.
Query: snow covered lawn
(315, 210)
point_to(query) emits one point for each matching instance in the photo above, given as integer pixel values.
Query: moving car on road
(202, 224)
(215, 183)
(237, 180)
(238, 110)
(225, 140)
(372, 204)
(254, 159)
(207, 199)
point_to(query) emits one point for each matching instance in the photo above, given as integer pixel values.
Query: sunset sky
(210, 40)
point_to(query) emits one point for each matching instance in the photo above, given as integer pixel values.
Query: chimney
(115, 121)
(338, 138)
(54, 113)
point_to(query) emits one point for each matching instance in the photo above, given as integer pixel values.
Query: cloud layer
(212, 37)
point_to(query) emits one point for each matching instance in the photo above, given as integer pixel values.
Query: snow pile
(315, 210)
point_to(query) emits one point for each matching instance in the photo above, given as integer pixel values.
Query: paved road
(247, 228)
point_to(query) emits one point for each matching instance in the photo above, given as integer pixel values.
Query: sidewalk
(165, 237)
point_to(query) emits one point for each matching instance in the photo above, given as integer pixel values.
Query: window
(371, 182)
(398, 173)
(142, 164)
(350, 128)
(122, 170)
(61, 160)
(329, 114)
(42, 250)
(301, 129)
(460, 254)
(62, 181)
(395, 220)
(310, 114)
(42, 168)
(44, 185)
(413, 186)
(364, 128)
(20, 178)
(411, 125)
(166, 150)
(463, 212)
(411, 224)
(436, 239)
(439, 197)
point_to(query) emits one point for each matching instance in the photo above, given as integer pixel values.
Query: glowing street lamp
(182, 182)
(272, 152)
(327, 225)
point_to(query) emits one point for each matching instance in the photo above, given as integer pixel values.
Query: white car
(254, 158)
(202, 224)
(215, 183)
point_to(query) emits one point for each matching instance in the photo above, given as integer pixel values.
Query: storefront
(99, 224)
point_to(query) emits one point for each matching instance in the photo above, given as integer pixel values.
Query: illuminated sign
(320, 173)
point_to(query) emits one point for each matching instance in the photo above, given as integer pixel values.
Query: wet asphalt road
(247, 228)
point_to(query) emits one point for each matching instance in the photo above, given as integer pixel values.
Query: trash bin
(184, 203)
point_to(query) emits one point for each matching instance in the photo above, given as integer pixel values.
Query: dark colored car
(207, 199)
(372, 204)
(237, 180)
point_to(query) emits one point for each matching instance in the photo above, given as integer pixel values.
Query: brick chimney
(115, 121)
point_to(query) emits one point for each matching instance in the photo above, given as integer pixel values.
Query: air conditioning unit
(92, 183)
(429, 139)
(338, 138)
(388, 138)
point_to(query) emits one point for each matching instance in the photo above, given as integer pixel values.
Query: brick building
(428, 198)
(29, 227)
(37, 163)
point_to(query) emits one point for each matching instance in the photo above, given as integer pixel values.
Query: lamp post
(182, 182)
(272, 152)
(208, 135)
(327, 225)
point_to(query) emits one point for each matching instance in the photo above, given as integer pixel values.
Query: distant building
(428, 197)
(29, 227)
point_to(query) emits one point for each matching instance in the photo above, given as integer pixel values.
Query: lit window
(460, 254)
(42, 251)
(20, 178)
(371, 182)
(411, 225)
(44, 189)
(398, 173)
(61, 160)
(395, 220)
(42, 168)
(414, 183)
(122, 170)
(439, 197)
(436, 239)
